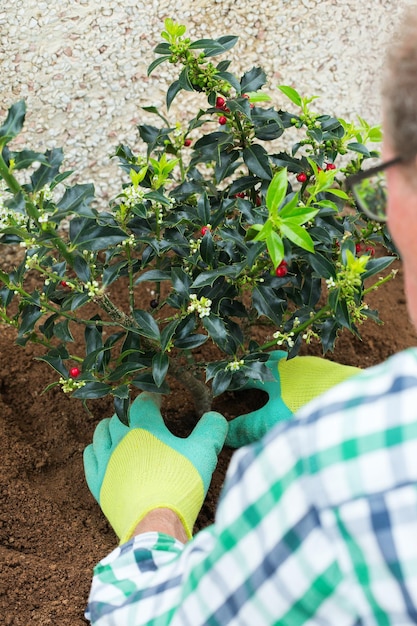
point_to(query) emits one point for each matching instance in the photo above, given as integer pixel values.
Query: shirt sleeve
(265, 558)
(316, 525)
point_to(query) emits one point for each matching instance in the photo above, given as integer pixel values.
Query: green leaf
(297, 235)
(147, 383)
(46, 173)
(62, 331)
(157, 62)
(190, 342)
(374, 266)
(160, 364)
(76, 198)
(291, 93)
(275, 248)
(92, 390)
(30, 315)
(55, 362)
(277, 191)
(87, 234)
(322, 266)
(214, 47)
(208, 278)
(256, 159)
(221, 382)
(125, 369)
(216, 328)
(14, 122)
(253, 80)
(359, 147)
(173, 91)
(268, 303)
(25, 158)
(155, 276)
(147, 325)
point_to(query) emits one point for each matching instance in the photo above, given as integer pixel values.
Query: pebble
(81, 65)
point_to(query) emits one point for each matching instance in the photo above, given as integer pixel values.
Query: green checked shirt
(317, 524)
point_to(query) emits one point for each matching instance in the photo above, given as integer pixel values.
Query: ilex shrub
(226, 228)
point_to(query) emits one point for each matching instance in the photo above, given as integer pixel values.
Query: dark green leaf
(253, 80)
(160, 364)
(216, 328)
(13, 123)
(358, 147)
(190, 342)
(76, 198)
(221, 382)
(266, 302)
(62, 331)
(147, 325)
(30, 315)
(25, 158)
(55, 362)
(45, 174)
(322, 266)
(173, 90)
(155, 64)
(374, 266)
(208, 278)
(256, 159)
(92, 390)
(87, 234)
(147, 383)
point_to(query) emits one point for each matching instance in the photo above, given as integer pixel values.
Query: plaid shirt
(317, 524)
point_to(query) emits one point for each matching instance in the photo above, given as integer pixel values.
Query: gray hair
(399, 90)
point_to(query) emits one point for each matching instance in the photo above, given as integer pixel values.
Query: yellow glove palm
(133, 470)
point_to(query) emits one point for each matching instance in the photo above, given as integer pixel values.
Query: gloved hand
(297, 381)
(132, 470)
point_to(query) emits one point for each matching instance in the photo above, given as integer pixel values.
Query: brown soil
(52, 532)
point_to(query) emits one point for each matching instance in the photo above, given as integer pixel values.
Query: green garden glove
(131, 470)
(297, 381)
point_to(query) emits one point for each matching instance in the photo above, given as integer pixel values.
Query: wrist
(163, 521)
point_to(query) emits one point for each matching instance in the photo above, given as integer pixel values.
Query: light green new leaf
(277, 191)
(291, 93)
(297, 235)
(275, 247)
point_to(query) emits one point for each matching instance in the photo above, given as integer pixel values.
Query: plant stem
(201, 394)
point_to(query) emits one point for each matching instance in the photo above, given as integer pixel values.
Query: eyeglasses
(369, 189)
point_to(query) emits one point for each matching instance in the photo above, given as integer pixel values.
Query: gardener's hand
(132, 470)
(297, 381)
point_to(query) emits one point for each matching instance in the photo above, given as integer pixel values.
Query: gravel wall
(81, 64)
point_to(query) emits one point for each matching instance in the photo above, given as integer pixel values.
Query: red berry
(187, 142)
(371, 250)
(281, 271)
(358, 248)
(222, 120)
(301, 177)
(258, 200)
(205, 230)
(330, 166)
(220, 102)
(74, 372)
(63, 283)
(240, 194)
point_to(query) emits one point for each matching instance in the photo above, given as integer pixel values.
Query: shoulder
(357, 438)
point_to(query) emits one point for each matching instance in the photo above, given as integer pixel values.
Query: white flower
(202, 305)
(234, 366)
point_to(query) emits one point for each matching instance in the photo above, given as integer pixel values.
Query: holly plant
(218, 234)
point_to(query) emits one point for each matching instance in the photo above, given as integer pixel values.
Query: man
(317, 523)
